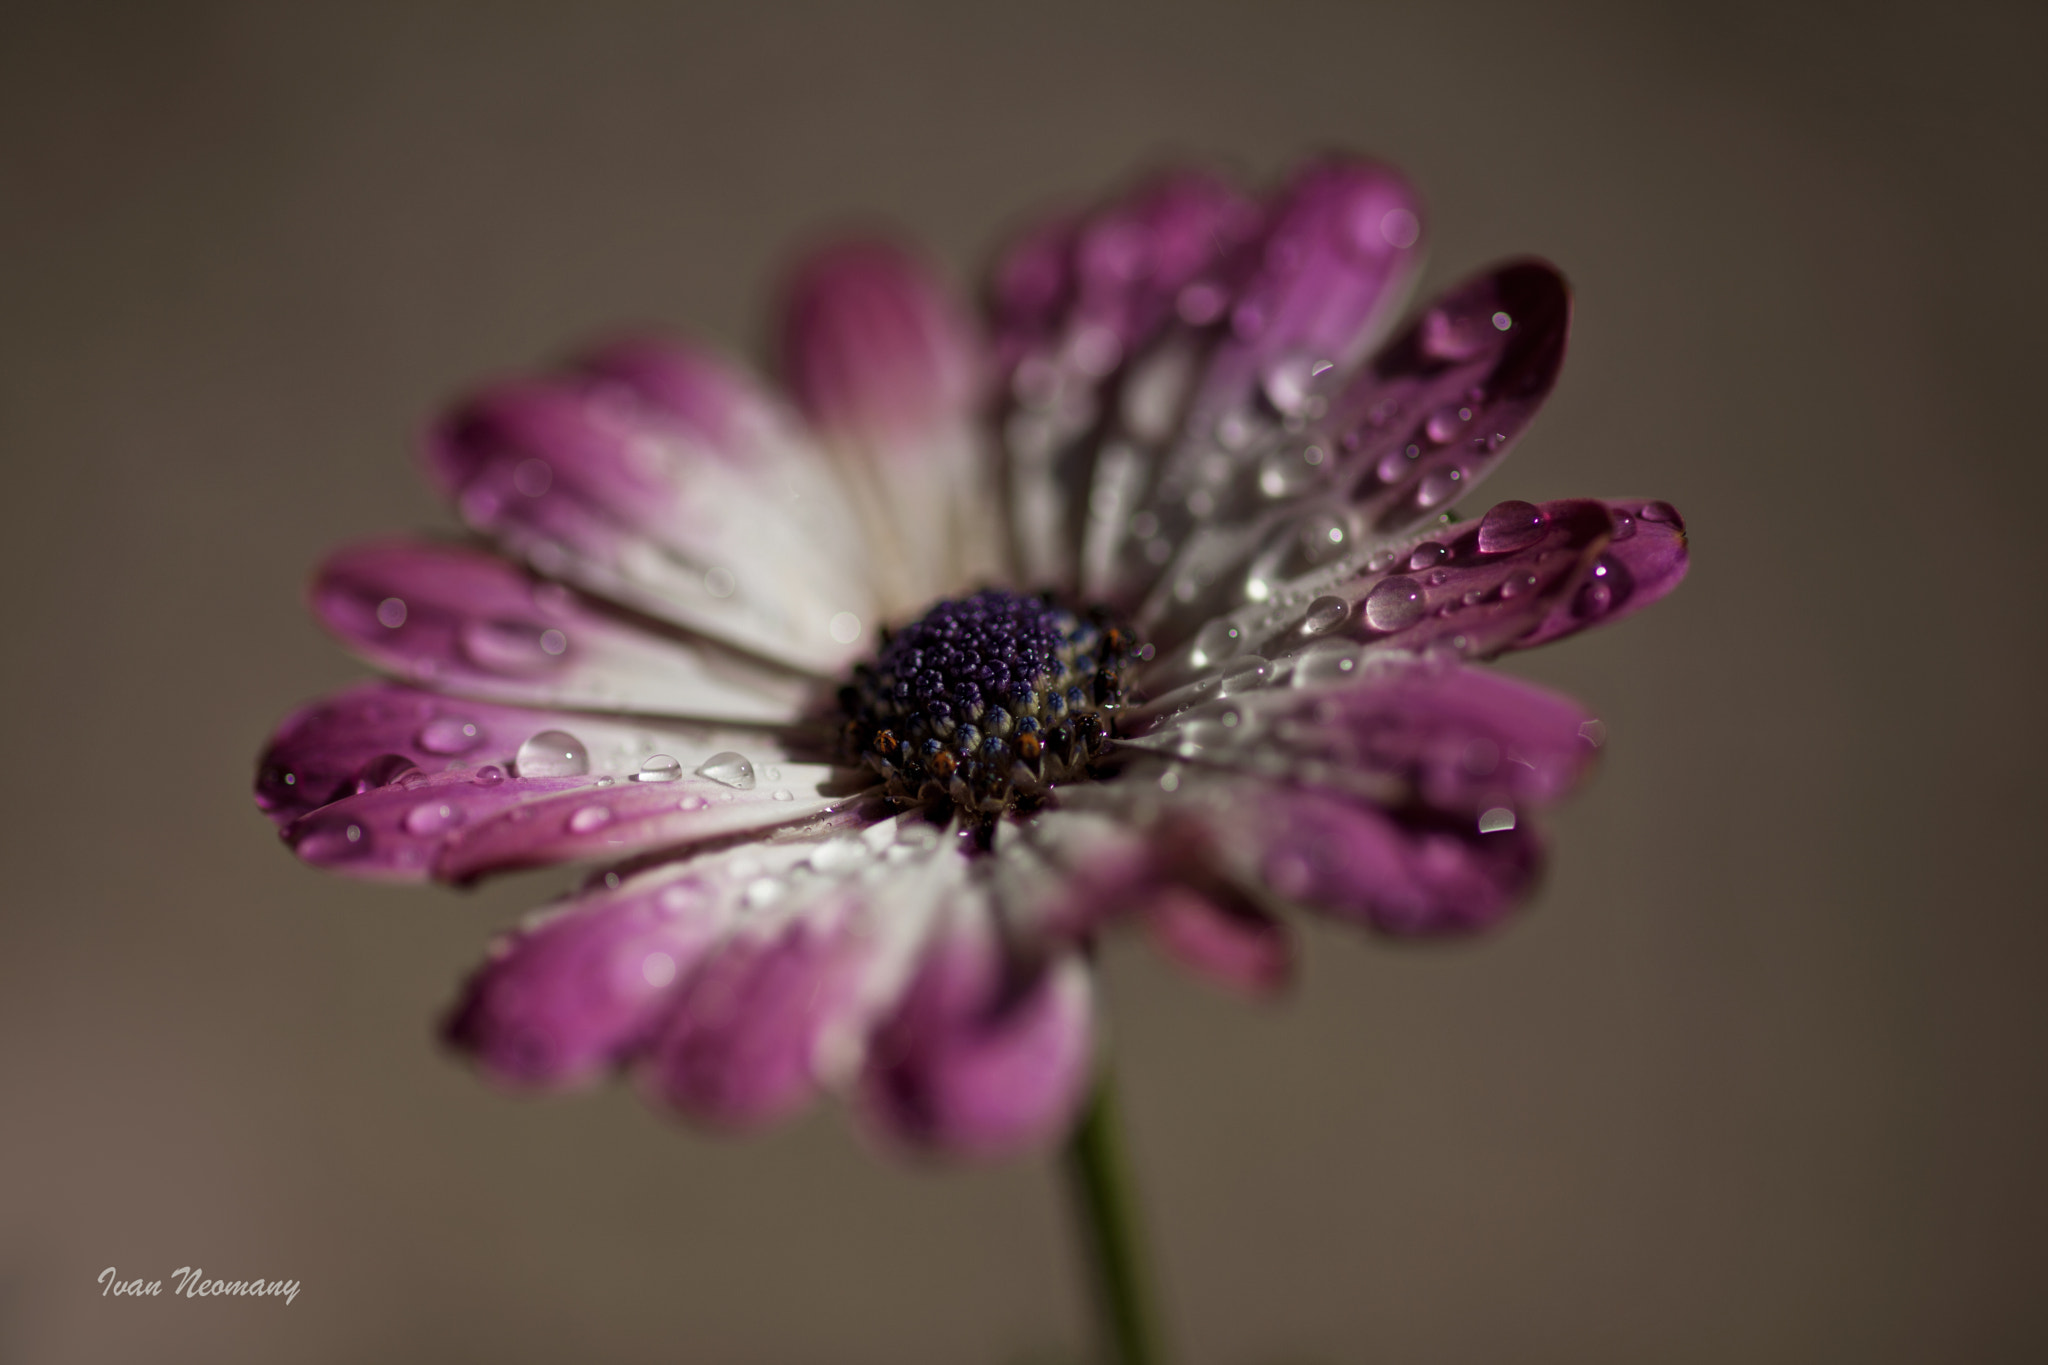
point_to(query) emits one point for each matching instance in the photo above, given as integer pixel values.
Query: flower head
(1144, 605)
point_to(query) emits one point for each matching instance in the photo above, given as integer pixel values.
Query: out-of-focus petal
(784, 1005)
(984, 1054)
(566, 998)
(464, 621)
(890, 374)
(1338, 254)
(660, 477)
(1223, 937)
(1412, 431)
(1646, 559)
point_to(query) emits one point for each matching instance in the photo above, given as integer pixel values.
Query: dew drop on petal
(1438, 486)
(552, 753)
(589, 818)
(1219, 640)
(731, 768)
(1394, 603)
(1445, 336)
(1325, 614)
(1497, 819)
(660, 768)
(1501, 322)
(1662, 512)
(1510, 526)
(719, 582)
(449, 735)
(782, 794)
(432, 817)
(1427, 555)
(844, 627)
(1444, 424)
(1331, 661)
(1243, 675)
(391, 613)
(553, 642)
(490, 774)
(657, 969)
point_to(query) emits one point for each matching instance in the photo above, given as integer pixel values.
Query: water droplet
(431, 817)
(1322, 537)
(449, 735)
(511, 646)
(552, 753)
(719, 582)
(732, 769)
(1501, 322)
(391, 613)
(1219, 640)
(1382, 561)
(490, 774)
(1329, 661)
(1594, 732)
(1243, 675)
(691, 802)
(1290, 380)
(1438, 486)
(607, 780)
(1594, 599)
(1496, 820)
(782, 794)
(1400, 228)
(660, 768)
(1445, 423)
(1517, 584)
(1624, 525)
(1510, 526)
(1662, 512)
(658, 969)
(1427, 555)
(1288, 471)
(845, 627)
(553, 642)
(761, 893)
(1325, 614)
(838, 855)
(1394, 603)
(590, 818)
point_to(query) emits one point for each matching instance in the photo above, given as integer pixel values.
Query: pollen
(989, 702)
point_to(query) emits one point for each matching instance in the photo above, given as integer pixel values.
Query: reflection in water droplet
(1394, 603)
(1510, 526)
(552, 753)
(660, 768)
(449, 735)
(589, 818)
(732, 769)
(1325, 614)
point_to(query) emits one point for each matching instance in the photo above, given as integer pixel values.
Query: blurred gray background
(1759, 1075)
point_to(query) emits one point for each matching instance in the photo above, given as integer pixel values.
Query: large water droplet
(552, 753)
(1394, 603)
(1219, 640)
(449, 735)
(1510, 526)
(733, 769)
(660, 768)
(1325, 614)
(590, 818)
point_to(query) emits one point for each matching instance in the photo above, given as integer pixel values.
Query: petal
(1402, 730)
(562, 1000)
(984, 1055)
(1071, 304)
(1414, 430)
(1646, 559)
(1223, 937)
(786, 1002)
(467, 622)
(890, 374)
(662, 478)
(377, 733)
(1336, 259)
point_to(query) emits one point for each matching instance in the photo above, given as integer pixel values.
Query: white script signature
(193, 1284)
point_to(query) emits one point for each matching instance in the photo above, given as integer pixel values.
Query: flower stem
(1106, 1204)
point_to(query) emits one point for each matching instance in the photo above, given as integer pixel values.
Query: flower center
(988, 702)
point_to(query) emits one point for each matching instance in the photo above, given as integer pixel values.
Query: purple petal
(1476, 589)
(873, 347)
(745, 1044)
(376, 733)
(1646, 559)
(1418, 427)
(984, 1055)
(1222, 937)
(565, 999)
(658, 476)
(1410, 874)
(464, 621)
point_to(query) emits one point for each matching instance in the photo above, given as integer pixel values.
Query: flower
(1145, 606)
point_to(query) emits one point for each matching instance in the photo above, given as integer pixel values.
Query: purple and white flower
(1144, 603)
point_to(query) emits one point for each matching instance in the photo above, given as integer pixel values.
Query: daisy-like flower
(1144, 604)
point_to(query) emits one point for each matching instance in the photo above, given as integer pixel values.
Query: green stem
(1106, 1203)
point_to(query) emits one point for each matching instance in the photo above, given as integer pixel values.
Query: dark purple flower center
(986, 703)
